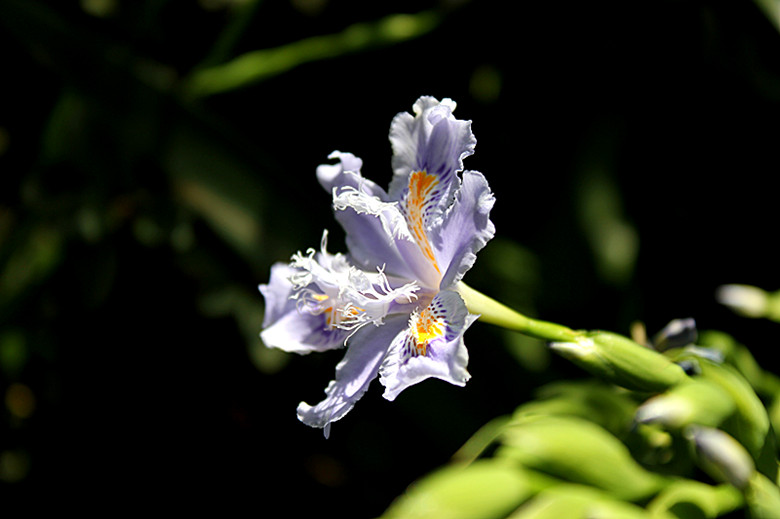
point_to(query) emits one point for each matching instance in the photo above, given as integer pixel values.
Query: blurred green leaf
(486, 489)
(219, 187)
(763, 498)
(531, 353)
(480, 440)
(613, 240)
(579, 451)
(580, 502)
(261, 64)
(771, 9)
(240, 17)
(39, 252)
(13, 352)
(247, 310)
(593, 400)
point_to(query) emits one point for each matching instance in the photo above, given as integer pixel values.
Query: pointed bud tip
(744, 299)
(722, 455)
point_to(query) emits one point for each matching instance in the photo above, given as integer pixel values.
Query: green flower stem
(493, 312)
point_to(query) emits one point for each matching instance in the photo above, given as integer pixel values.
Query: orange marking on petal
(328, 316)
(340, 314)
(421, 184)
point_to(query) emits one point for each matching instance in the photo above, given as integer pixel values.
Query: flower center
(344, 317)
(425, 326)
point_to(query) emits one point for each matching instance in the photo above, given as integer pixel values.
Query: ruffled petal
(432, 141)
(346, 173)
(428, 152)
(366, 351)
(431, 345)
(464, 229)
(377, 233)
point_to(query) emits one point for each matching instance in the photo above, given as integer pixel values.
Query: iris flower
(393, 300)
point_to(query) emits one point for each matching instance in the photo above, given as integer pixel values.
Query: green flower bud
(750, 301)
(750, 423)
(676, 334)
(579, 451)
(721, 456)
(696, 401)
(745, 300)
(622, 361)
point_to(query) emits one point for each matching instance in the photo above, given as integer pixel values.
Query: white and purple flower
(393, 300)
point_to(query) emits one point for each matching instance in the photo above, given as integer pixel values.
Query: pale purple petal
(286, 328)
(366, 351)
(464, 229)
(377, 234)
(433, 141)
(445, 357)
(302, 333)
(368, 236)
(346, 172)
(277, 293)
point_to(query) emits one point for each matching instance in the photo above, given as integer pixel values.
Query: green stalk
(493, 312)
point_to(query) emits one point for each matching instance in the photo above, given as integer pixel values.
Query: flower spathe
(392, 300)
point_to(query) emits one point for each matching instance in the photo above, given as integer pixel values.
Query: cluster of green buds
(674, 427)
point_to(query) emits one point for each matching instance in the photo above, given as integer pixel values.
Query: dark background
(136, 223)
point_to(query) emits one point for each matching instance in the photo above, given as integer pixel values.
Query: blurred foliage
(139, 211)
(256, 65)
(704, 448)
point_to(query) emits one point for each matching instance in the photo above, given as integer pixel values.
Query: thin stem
(493, 312)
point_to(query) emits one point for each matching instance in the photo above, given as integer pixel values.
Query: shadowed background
(157, 157)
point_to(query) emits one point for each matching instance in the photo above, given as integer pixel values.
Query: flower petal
(432, 141)
(277, 293)
(430, 346)
(347, 173)
(366, 351)
(286, 328)
(303, 333)
(465, 228)
(428, 152)
(376, 229)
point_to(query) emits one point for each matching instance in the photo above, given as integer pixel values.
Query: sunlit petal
(366, 350)
(431, 345)
(465, 228)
